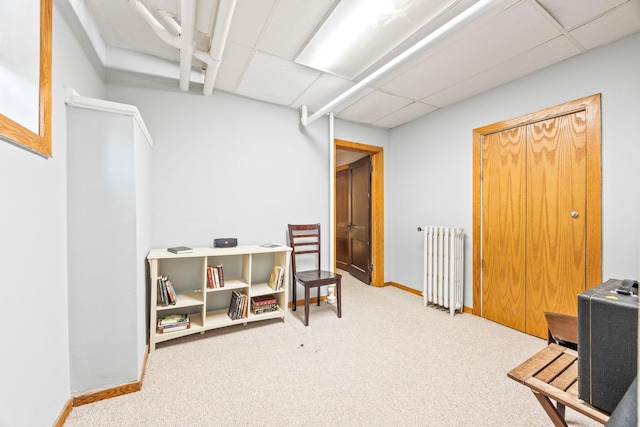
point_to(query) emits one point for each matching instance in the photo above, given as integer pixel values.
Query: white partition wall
(108, 180)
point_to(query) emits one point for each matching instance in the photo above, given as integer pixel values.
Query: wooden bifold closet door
(537, 204)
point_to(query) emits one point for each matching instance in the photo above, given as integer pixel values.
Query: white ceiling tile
(356, 97)
(249, 19)
(507, 35)
(373, 106)
(572, 13)
(618, 23)
(234, 61)
(115, 19)
(272, 79)
(549, 53)
(445, 41)
(291, 25)
(405, 115)
(322, 91)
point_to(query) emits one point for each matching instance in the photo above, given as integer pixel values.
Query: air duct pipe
(187, 44)
(184, 41)
(157, 27)
(471, 12)
(213, 58)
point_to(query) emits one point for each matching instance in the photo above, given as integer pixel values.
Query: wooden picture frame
(37, 140)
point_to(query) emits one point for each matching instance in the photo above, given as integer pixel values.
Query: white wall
(108, 172)
(431, 158)
(226, 166)
(35, 353)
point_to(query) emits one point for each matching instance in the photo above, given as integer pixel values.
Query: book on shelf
(216, 277)
(238, 305)
(210, 282)
(180, 250)
(275, 281)
(263, 300)
(173, 328)
(173, 322)
(220, 275)
(166, 292)
(173, 318)
(264, 308)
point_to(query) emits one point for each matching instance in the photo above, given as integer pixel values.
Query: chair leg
(318, 288)
(306, 306)
(339, 297)
(293, 304)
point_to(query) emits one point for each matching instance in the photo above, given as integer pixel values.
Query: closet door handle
(574, 214)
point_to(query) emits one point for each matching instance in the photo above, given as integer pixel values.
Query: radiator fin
(443, 267)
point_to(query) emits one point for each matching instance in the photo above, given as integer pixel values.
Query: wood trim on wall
(465, 309)
(39, 142)
(589, 104)
(114, 391)
(377, 205)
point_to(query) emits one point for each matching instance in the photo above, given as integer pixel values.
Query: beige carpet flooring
(389, 361)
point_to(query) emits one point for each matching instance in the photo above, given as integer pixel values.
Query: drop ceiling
(510, 39)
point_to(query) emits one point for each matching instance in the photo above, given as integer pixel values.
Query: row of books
(166, 293)
(173, 322)
(215, 277)
(238, 305)
(263, 304)
(277, 275)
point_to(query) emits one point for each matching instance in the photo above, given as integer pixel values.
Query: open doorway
(348, 152)
(353, 216)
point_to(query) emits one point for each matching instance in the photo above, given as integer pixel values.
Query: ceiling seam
(556, 24)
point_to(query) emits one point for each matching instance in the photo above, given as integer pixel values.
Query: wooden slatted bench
(553, 374)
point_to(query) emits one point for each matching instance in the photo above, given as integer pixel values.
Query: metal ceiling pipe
(469, 13)
(184, 40)
(218, 43)
(187, 43)
(169, 22)
(157, 27)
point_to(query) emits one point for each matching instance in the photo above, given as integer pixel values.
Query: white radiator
(443, 266)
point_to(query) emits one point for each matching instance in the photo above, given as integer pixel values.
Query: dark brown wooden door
(342, 218)
(353, 219)
(360, 219)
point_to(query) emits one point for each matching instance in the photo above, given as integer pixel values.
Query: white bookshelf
(246, 269)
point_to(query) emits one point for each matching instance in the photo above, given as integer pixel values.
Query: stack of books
(238, 305)
(263, 304)
(173, 322)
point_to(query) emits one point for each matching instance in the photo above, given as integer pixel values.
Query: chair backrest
(304, 239)
(563, 329)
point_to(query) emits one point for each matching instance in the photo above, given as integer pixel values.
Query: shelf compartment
(220, 318)
(195, 321)
(263, 289)
(193, 299)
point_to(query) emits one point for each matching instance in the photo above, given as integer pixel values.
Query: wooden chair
(305, 242)
(562, 329)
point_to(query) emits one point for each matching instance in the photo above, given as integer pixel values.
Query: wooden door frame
(591, 106)
(377, 205)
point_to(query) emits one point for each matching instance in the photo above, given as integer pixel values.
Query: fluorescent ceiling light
(358, 33)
